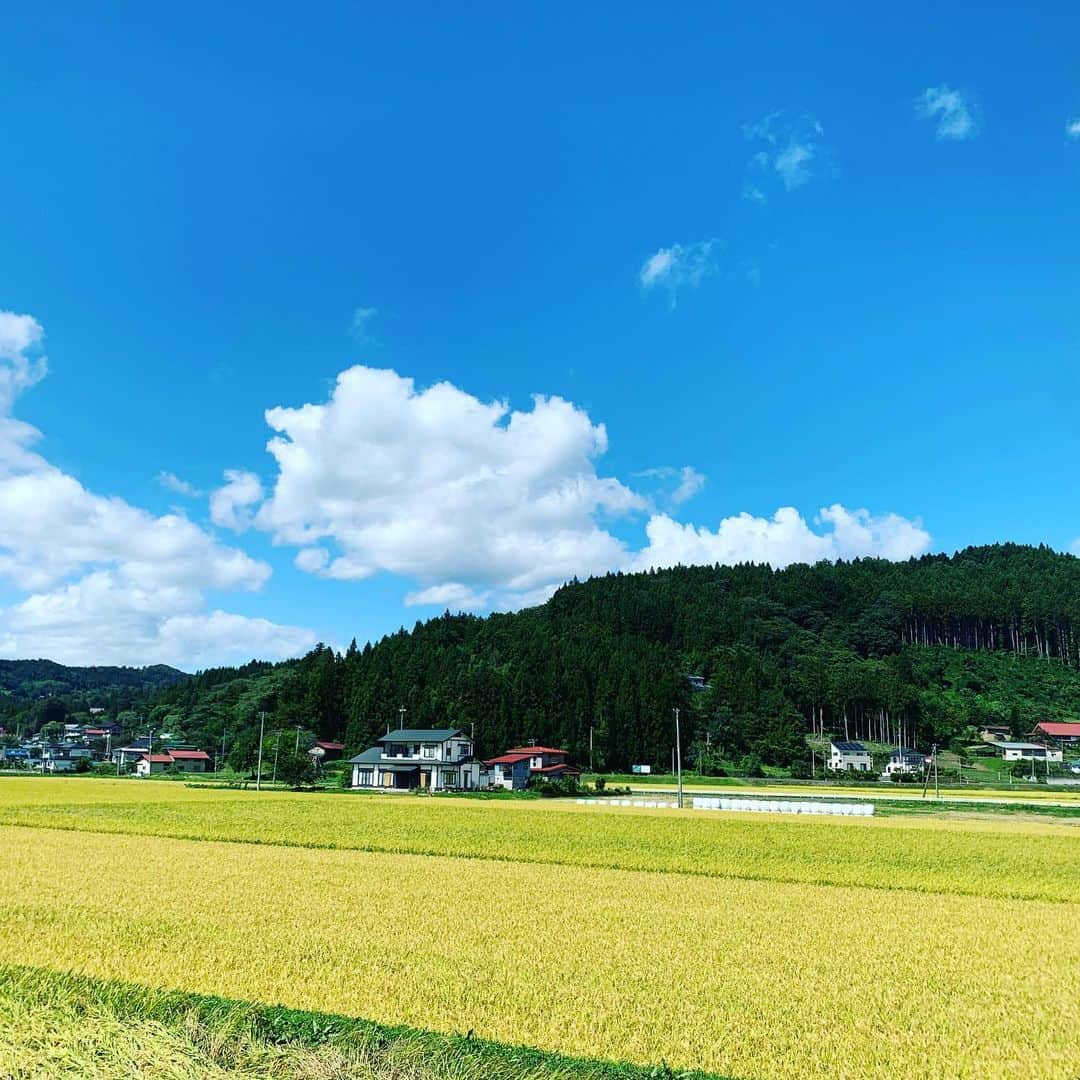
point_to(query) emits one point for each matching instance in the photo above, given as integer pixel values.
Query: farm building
(190, 760)
(849, 757)
(1029, 751)
(321, 751)
(1061, 734)
(520, 764)
(149, 764)
(905, 763)
(181, 760)
(426, 758)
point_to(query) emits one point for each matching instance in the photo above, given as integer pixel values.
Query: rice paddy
(735, 945)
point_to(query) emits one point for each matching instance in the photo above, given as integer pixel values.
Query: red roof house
(182, 760)
(1063, 733)
(514, 769)
(324, 750)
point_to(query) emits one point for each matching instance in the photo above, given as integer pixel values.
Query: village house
(514, 769)
(429, 759)
(905, 763)
(1029, 751)
(849, 757)
(189, 761)
(994, 733)
(1060, 734)
(129, 755)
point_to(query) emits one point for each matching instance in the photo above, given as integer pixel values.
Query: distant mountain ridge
(37, 678)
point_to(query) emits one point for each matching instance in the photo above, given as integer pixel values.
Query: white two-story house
(430, 759)
(849, 757)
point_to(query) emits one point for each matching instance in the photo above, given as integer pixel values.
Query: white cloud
(231, 504)
(361, 322)
(452, 595)
(956, 116)
(487, 508)
(21, 365)
(1072, 129)
(783, 539)
(171, 482)
(791, 153)
(102, 580)
(679, 266)
(689, 482)
(443, 488)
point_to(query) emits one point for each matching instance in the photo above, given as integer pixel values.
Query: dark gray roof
(368, 757)
(400, 768)
(908, 754)
(421, 734)
(850, 747)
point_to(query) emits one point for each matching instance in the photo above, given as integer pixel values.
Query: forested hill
(934, 645)
(42, 678)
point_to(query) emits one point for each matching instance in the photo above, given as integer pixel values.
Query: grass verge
(61, 1024)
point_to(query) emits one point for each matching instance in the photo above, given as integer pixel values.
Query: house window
(450, 779)
(429, 751)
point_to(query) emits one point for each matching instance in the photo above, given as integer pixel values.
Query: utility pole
(678, 754)
(221, 760)
(401, 715)
(277, 748)
(298, 740)
(258, 771)
(926, 774)
(591, 729)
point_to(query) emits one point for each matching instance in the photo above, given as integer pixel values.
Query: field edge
(377, 1046)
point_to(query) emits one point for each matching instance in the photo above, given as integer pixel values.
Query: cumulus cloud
(484, 507)
(679, 266)
(956, 117)
(231, 504)
(171, 482)
(783, 539)
(790, 154)
(104, 581)
(1072, 129)
(443, 488)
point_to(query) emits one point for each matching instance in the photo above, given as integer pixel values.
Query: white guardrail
(753, 806)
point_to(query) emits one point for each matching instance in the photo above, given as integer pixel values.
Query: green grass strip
(66, 1024)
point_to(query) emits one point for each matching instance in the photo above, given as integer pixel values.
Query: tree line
(920, 651)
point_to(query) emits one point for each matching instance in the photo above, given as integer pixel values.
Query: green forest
(924, 650)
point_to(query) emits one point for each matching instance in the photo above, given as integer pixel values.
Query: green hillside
(38, 678)
(929, 648)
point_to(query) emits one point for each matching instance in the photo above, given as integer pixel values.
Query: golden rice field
(975, 857)
(704, 940)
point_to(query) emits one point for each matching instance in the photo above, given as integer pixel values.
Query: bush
(750, 765)
(801, 770)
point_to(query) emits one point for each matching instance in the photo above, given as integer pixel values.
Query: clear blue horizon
(356, 314)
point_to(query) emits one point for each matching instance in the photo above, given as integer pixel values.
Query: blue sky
(818, 259)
